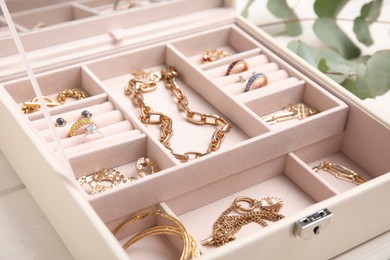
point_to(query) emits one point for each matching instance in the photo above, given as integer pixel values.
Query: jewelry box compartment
(70, 93)
(109, 6)
(89, 38)
(40, 14)
(51, 15)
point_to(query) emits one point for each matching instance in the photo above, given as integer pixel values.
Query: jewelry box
(264, 149)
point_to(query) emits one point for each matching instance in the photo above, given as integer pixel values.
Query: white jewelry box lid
(87, 38)
(97, 235)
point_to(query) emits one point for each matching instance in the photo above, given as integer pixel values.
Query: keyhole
(316, 230)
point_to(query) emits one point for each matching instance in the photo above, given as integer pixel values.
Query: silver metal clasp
(313, 225)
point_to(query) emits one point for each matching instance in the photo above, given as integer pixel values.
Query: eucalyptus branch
(341, 59)
(340, 73)
(313, 19)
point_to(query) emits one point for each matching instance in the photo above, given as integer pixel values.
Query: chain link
(227, 225)
(146, 82)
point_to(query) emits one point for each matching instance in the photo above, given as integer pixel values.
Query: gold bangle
(190, 248)
(236, 66)
(162, 230)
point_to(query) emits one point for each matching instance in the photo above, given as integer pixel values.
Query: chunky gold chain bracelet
(70, 93)
(34, 105)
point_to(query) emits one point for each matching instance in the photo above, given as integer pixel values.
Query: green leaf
(363, 90)
(336, 71)
(368, 14)
(371, 11)
(377, 76)
(328, 8)
(293, 28)
(322, 65)
(339, 67)
(363, 59)
(304, 51)
(328, 31)
(245, 11)
(356, 84)
(280, 9)
(360, 28)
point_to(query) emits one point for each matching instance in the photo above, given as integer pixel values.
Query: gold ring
(144, 162)
(239, 209)
(85, 120)
(79, 123)
(236, 66)
(255, 79)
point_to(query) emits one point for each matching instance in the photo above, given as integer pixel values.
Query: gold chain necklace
(226, 226)
(147, 81)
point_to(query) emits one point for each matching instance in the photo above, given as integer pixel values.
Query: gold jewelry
(340, 172)
(141, 165)
(236, 66)
(226, 226)
(145, 82)
(79, 123)
(86, 119)
(213, 55)
(190, 248)
(253, 81)
(34, 105)
(72, 93)
(103, 180)
(98, 181)
(297, 111)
